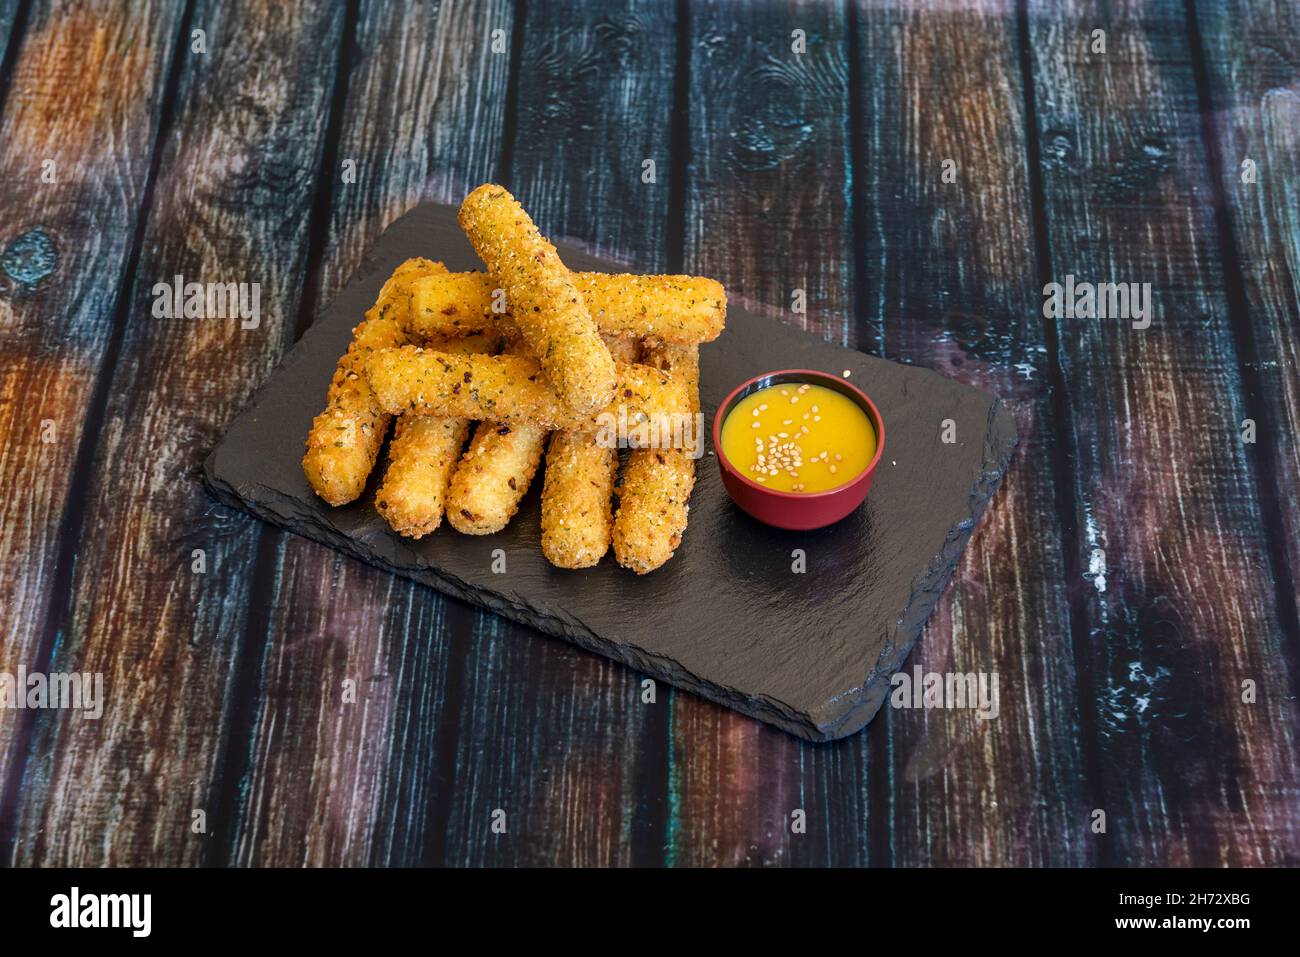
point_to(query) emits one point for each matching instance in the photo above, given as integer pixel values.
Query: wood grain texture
(766, 214)
(950, 276)
(234, 187)
(79, 100)
(575, 758)
(1180, 608)
(329, 782)
(8, 35)
(1254, 77)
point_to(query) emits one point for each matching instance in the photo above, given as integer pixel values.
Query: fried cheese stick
(494, 474)
(345, 438)
(512, 389)
(542, 299)
(421, 457)
(679, 309)
(577, 509)
(655, 497)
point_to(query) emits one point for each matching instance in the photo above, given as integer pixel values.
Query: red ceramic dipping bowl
(799, 511)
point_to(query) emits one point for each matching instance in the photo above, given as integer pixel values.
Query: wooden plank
(766, 214)
(234, 190)
(558, 738)
(1180, 610)
(425, 112)
(1255, 90)
(948, 276)
(85, 97)
(9, 36)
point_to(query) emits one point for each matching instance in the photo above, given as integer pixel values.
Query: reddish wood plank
(329, 782)
(951, 265)
(231, 201)
(83, 97)
(1180, 610)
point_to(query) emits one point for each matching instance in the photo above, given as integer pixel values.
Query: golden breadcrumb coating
(577, 512)
(345, 438)
(542, 299)
(654, 500)
(679, 309)
(421, 457)
(510, 388)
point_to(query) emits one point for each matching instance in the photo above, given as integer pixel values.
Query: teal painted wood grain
(233, 189)
(75, 143)
(1177, 607)
(331, 783)
(950, 281)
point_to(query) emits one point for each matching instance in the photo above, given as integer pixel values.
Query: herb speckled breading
(542, 298)
(679, 309)
(509, 388)
(654, 500)
(345, 438)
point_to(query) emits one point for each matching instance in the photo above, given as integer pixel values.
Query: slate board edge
(842, 716)
(836, 720)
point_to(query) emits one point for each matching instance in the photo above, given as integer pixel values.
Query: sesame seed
(838, 457)
(756, 412)
(847, 373)
(817, 418)
(756, 425)
(786, 421)
(815, 409)
(762, 408)
(832, 470)
(794, 399)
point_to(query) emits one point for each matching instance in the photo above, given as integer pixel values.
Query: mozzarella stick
(542, 299)
(577, 511)
(345, 438)
(678, 309)
(493, 476)
(512, 389)
(421, 457)
(657, 483)
(577, 515)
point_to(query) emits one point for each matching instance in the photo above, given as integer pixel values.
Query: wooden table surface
(1133, 583)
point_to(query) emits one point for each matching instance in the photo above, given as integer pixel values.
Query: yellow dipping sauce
(798, 437)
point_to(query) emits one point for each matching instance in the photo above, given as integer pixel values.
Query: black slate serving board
(727, 618)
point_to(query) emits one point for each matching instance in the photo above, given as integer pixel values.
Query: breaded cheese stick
(493, 476)
(345, 438)
(577, 495)
(577, 509)
(678, 309)
(421, 457)
(541, 298)
(657, 483)
(512, 389)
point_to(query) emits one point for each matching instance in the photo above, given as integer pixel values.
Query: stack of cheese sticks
(543, 360)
